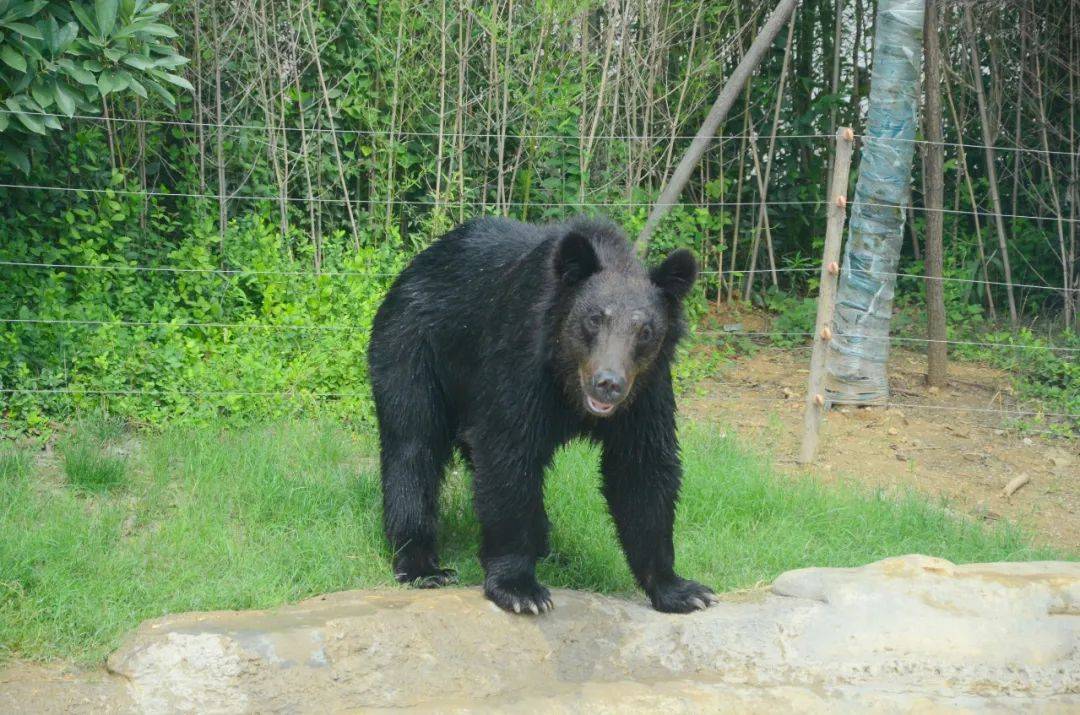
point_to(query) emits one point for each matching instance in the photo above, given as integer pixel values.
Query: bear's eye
(646, 333)
(593, 321)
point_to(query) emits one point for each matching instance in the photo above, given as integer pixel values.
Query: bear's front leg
(509, 504)
(642, 472)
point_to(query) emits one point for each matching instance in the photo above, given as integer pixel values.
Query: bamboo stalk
(991, 165)
(730, 92)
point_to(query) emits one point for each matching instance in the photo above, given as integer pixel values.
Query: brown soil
(55, 688)
(966, 458)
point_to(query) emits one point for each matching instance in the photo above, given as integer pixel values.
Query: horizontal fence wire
(964, 145)
(964, 212)
(384, 202)
(899, 338)
(178, 269)
(262, 272)
(333, 327)
(301, 393)
(373, 274)
(497, 204)
(754, 136)
(177, 324)
(392, 133)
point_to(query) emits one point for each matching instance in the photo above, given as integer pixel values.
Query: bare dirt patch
(965, 458)
(58, 688)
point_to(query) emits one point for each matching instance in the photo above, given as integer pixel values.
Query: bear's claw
(435, 579)
(521, 598)
(682, 596)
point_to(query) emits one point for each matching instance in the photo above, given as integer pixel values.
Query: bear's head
(616, 320)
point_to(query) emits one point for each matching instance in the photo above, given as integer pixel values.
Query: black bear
(507, 340)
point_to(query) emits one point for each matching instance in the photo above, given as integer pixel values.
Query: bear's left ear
(676, 275)
(575, 259)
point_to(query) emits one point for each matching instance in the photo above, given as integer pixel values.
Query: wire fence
(523, 136)
(391, 134)
(377, 274)
(301, 393)
(332, 327)
(434, 203)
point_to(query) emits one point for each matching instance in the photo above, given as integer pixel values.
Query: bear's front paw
(682, 596)
(435, 579)
(423, 572)
(518, 595)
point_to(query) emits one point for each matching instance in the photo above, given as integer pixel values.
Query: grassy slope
(211, 519)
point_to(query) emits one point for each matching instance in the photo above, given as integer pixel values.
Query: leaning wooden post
(830, 270)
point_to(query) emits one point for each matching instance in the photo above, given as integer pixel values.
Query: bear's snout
(609, 385)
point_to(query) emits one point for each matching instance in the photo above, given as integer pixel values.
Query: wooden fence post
(830, 271)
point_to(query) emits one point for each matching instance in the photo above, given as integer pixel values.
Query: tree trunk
(934, 197)
(859, 349)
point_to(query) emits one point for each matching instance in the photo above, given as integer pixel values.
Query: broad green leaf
(109, 81)
(105, 12)
(24, 29)
(84, 17)
(156, 9)
(162, 92)
(157, 30)
(64, 100)
(27, 121)
(52, 31)
(22, 83)
(42, 95)
(26, 10)
(177, 80)
(171, 61)
(135, 86)
(28, 50)
(139, 62)
(51, 122)
(114, 53)
(12, 58)
(66, 36)
(77, 73)
(16, 156)
(3, 122)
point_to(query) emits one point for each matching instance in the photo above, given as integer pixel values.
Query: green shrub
(794, 317)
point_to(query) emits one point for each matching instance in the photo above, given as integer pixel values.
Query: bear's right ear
(575, 259)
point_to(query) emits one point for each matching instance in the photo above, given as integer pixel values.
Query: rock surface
(903, 634)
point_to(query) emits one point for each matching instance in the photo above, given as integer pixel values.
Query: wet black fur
(475, 347)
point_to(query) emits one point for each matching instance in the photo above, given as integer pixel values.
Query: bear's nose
(609, 385)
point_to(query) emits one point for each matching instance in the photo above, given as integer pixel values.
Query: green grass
(207, 519)
(89, 455)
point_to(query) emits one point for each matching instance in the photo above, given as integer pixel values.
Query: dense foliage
(322, 144)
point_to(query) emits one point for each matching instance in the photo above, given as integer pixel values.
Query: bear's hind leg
(415, 447)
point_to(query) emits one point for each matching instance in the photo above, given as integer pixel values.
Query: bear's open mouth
(597, 407)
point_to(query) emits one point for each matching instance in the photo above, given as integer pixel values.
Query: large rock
(911, 633)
